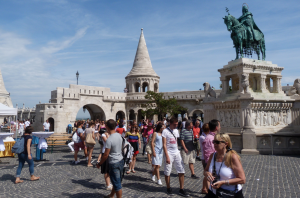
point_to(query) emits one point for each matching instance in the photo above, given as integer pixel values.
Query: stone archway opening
(197, 113)
(140, 116)
(137, 87)
(120, 115)
(131, 115)
(51, 121)
(145, 87)
(92, 112)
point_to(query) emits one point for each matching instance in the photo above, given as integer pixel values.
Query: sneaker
(169, 191)
(183, 193)
(159, 182)
(153, 178)
(194, 176)
(77, 162)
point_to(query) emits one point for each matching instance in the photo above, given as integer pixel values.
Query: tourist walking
(196, 131)
(157, 154)
(172, 156)
(224, 169)
(79, 144)
(26, 156)
(120, 129)
(135, 141)
(90, 141)
(188, 152)
(205, 132)
(105, 165)
(113, 152)
(21, 128)
(46, 126)
(147, 134)
(27, 123)
(208, 146)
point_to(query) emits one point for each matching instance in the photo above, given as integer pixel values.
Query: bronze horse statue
(244, 45)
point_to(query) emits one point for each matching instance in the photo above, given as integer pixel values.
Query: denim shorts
(115, 173)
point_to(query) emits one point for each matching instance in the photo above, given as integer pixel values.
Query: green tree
(158, 105)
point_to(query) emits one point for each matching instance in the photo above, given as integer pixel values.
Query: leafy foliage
(158, 105)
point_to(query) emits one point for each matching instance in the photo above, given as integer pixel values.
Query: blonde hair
(225, 137)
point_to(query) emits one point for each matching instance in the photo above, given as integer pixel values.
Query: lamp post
(77, 76)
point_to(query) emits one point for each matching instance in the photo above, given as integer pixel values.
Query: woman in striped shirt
(135, 141)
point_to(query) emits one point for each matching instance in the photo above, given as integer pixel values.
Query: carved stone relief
(229, 118)
(271, 117)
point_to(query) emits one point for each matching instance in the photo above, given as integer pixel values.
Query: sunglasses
(217, 142)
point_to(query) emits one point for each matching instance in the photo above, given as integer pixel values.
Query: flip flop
(128, 172)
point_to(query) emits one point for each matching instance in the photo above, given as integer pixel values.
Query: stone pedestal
(249, 142)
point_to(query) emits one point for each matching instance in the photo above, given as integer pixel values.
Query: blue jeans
(145, 144)
(115, 173)
(69, 130)
(22, 158)
(46, 130)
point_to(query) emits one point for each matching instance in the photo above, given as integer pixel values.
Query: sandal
(90, 165)
(132, 171)
(128, 172)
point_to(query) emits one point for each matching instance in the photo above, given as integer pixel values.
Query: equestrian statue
(246, 36)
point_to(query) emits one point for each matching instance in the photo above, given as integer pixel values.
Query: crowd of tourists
(166, 143)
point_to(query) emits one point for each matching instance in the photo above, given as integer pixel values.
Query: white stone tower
(4, 95)
(142, 77)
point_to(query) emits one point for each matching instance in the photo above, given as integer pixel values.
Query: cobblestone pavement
(266, 176)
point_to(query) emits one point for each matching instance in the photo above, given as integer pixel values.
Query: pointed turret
(142, 63)
(142, 76)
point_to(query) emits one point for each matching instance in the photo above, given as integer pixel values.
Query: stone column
(262, 83)
(136, 116)
(248, 134)
(132, 87)
(225, 84)
(275, 85)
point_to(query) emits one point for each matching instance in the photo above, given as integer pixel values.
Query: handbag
(148, 146)
(89, 139)
(220, 191)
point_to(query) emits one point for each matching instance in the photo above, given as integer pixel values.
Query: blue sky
(44, 43)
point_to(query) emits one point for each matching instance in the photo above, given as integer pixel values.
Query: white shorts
(178, 164)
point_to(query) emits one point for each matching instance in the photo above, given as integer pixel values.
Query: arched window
(137, 87)
(145, 87)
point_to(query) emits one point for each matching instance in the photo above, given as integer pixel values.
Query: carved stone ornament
(208, 90)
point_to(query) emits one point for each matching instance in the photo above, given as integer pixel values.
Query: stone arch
(120, 115)
(140, 116)
(51, 121)
(95, 111)
(137, 86)
(195, 113)
(145, 86)
(131, 114)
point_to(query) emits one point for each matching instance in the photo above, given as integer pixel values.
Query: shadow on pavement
(8, 177)
(85, 195)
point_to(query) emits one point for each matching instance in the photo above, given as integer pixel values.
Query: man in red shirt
(196, 131)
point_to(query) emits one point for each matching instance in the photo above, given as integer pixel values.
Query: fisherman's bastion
(259, 118)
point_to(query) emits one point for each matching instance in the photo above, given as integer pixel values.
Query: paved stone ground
(266, 176)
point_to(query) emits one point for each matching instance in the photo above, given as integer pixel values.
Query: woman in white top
(21, 128)
(224, 169)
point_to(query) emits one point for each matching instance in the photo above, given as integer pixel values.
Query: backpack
(76, 137)
(127, 153)
(18, 147)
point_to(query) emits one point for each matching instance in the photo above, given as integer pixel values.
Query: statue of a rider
(252, 30)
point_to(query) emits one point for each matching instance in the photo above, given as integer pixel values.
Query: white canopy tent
(8, 111)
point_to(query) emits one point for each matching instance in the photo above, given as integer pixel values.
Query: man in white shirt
(172, 155)
(46, 126)
(27, 123)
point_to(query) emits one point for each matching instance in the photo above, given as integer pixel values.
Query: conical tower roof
(3, 90)
(142, 64)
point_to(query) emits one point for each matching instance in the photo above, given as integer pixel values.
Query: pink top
(149, 133)
(208, 146)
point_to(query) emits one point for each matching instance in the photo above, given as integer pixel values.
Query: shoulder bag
(148, 146)
(89, 139)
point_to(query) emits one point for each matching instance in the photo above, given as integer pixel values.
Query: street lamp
(77, 76)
